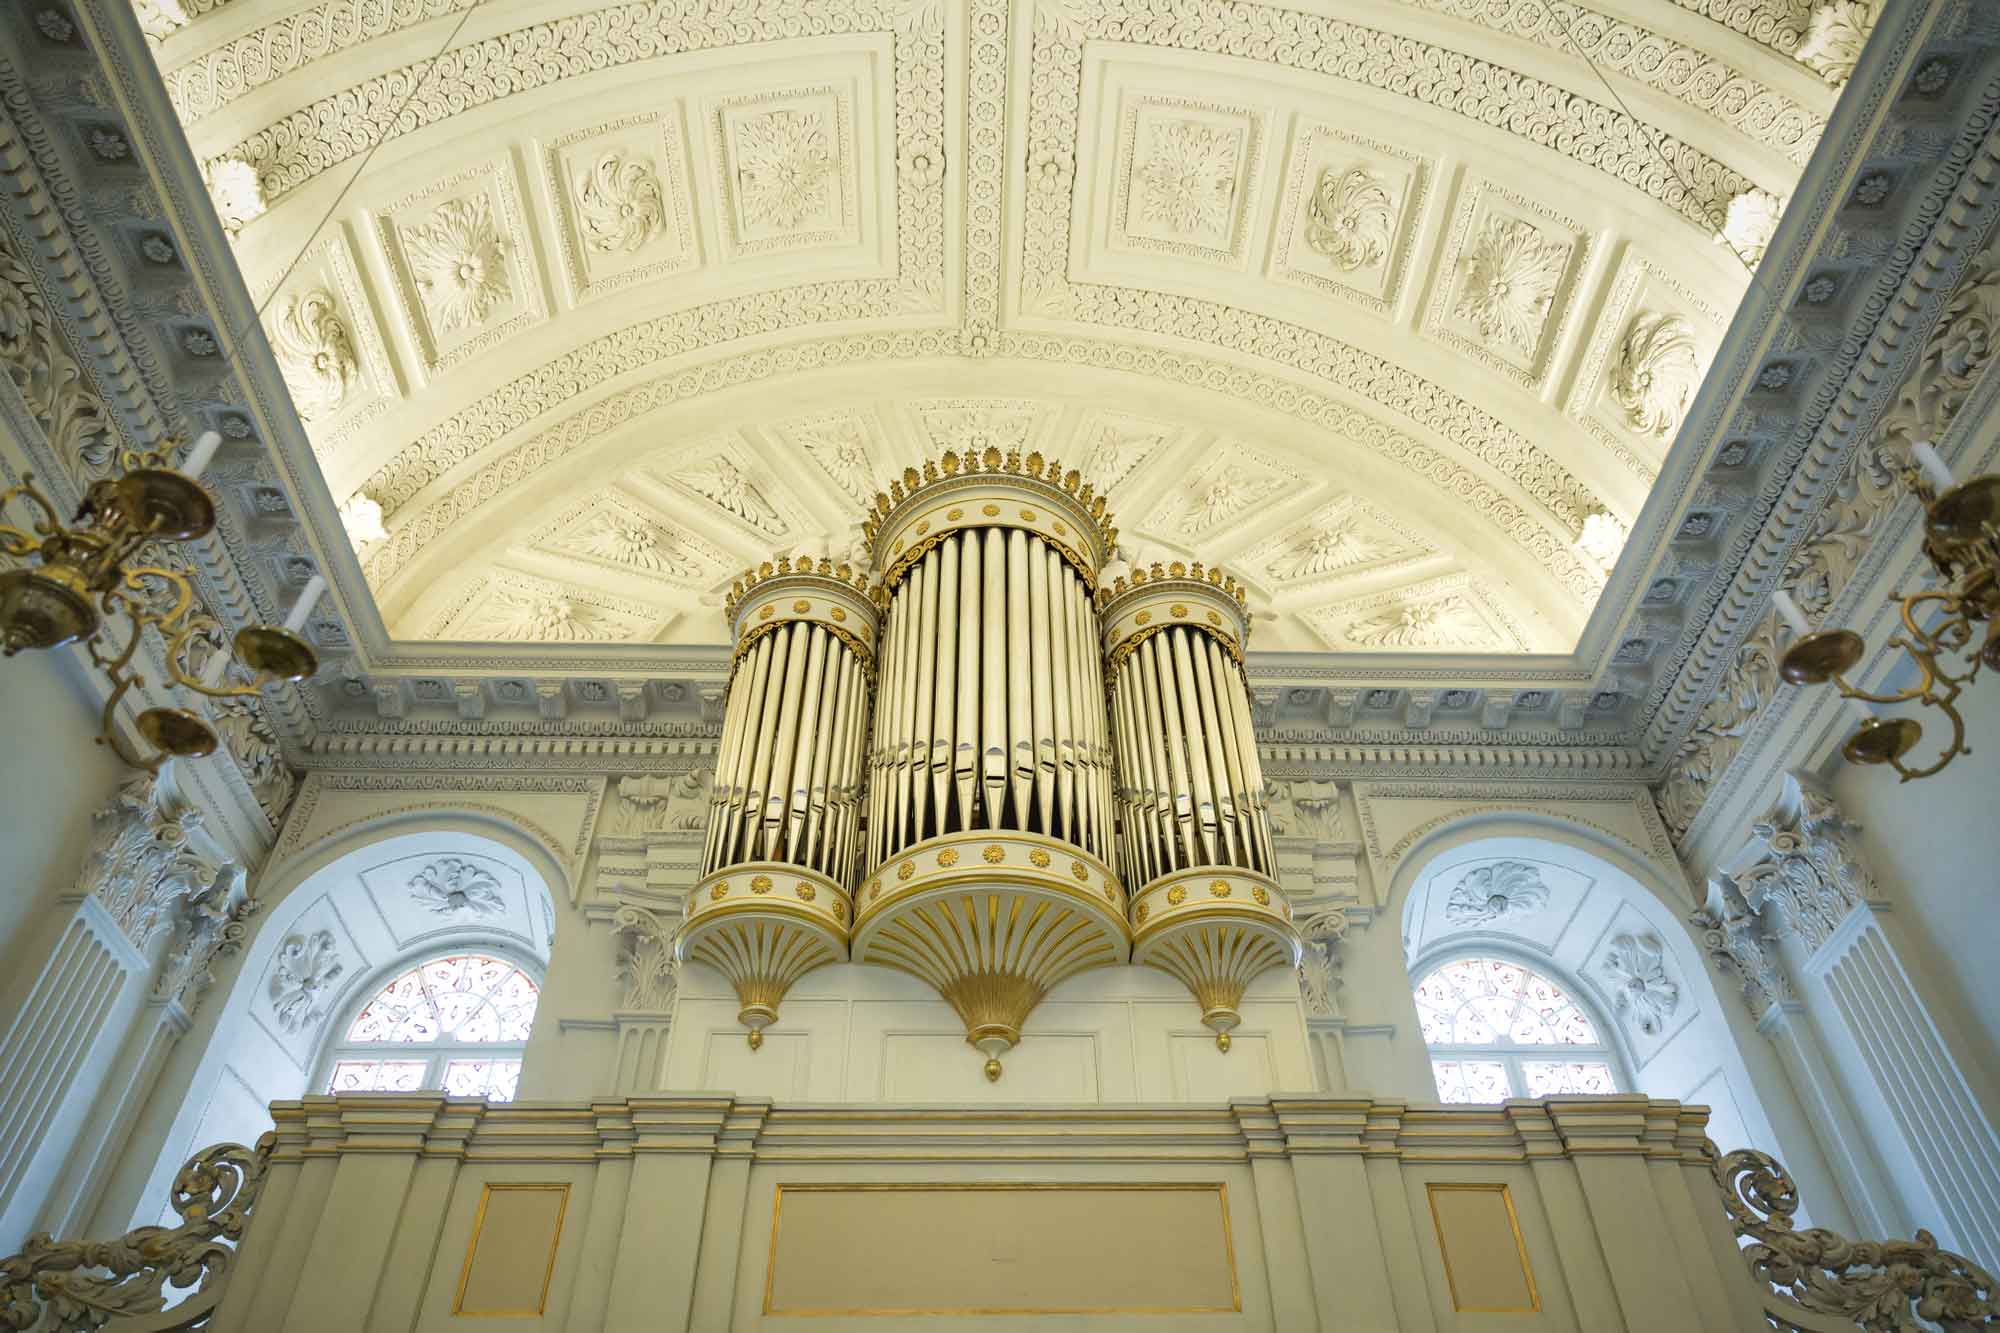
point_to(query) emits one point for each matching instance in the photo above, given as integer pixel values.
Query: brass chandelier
(85, 578)
(1962, 540)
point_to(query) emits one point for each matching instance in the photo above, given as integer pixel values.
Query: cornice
(1894, 268)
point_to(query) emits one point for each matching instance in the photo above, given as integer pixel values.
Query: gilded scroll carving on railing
(85, 1284)
(1883, 1286)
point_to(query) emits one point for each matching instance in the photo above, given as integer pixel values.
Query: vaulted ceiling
(1393, 307)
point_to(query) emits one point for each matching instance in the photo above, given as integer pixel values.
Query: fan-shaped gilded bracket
(763, 925)
(1215, 929)
(992, 920)
(1000, 491)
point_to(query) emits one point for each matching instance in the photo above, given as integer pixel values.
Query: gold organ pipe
(1189, 646)
(947, 682)
(1020, 663)
(965, 759)
(993, 674)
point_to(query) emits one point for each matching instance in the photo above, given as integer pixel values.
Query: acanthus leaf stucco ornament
(302, 980)
(1447, 622)
(1957, 352)
(661, 804)
(1834, 38)
(1187, 183)
(1319, 961)
(235, 188)
(623, 539)
(1656, 372)
(211, 925)
(315, 353)
(144, 859)
(647, 962)
(1634, 969)
(1509, 277)
(458, 262)
(1496, 892)
(784, 168)
(1750, 224)
(1733, 935)
(361, 519)
(724, 484)
(1351, 218)
(544, 616)
(1809, 865)
(247, 735)
(451, 885)
(619, 203)
(840, 446)
(1326, 548)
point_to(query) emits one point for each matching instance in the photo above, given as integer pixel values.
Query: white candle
(302, 608)
(218, 666)
(1788, 611)
(1932, 466)
(204, 449)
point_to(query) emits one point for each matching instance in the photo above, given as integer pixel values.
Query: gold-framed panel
(486, 1193)
(1434, 1188)
(1220, 1189)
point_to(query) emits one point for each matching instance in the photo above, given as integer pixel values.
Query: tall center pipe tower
(990, 819)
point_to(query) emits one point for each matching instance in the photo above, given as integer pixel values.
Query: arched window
(1497, 1030)
(457, 1022)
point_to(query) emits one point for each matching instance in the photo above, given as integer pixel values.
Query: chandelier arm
(1951, 750)
(50, 522)
(204, 627)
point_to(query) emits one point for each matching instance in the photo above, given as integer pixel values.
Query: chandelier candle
(772, 903)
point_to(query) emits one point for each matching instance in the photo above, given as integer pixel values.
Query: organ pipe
(773, 901)
(1192, 809)
(990, 721)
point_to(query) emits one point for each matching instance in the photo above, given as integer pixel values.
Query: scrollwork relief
(315, 353)
(1351, 218)
(77, 1285)
(1655, 374)
(1883, 1286)
(1319, 961)
(619, 203)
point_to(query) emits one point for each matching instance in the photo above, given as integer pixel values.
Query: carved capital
(646, 960)
(1733, 934)
(1808, 863)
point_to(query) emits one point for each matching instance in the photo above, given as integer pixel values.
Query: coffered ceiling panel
(1391, 308)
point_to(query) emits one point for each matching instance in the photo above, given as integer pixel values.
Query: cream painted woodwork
(588, 361)
(1287, 1212)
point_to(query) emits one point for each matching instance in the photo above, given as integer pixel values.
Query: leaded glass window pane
(463, 1020)
(1482, 1016)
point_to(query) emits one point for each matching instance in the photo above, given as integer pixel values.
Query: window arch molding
(1522, 1064)
(498, 1036)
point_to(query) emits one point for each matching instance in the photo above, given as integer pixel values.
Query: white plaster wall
(856, 1033)
(53, 777)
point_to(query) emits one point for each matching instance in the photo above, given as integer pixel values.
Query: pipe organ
(784, 823)
(989, 817)
(1194, 833)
